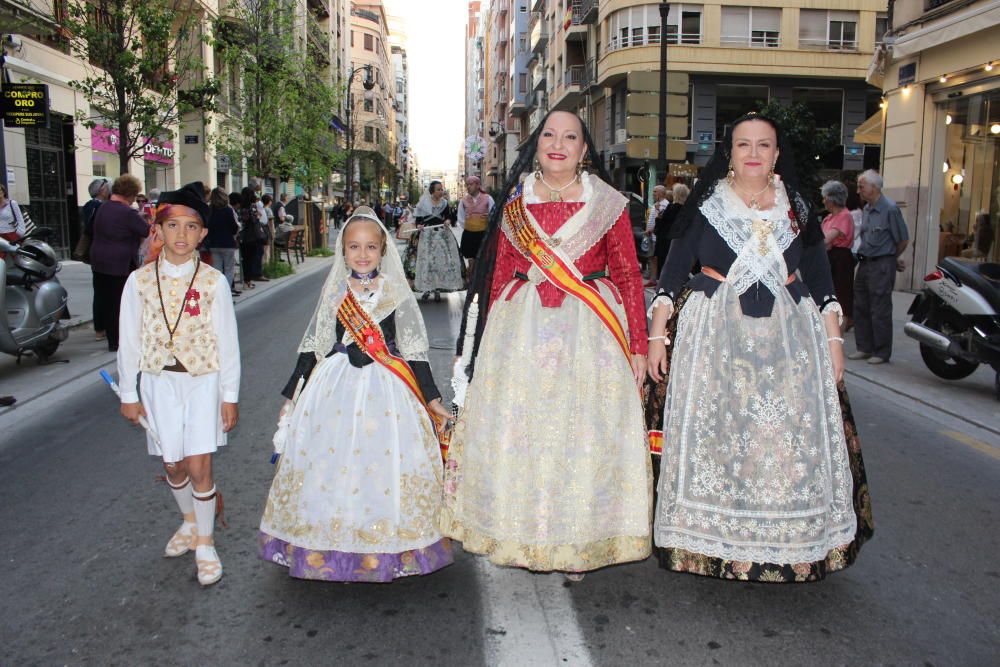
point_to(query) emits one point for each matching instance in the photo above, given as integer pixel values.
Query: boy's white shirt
(223, 324)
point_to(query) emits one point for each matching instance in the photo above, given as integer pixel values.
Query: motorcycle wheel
(945, 366)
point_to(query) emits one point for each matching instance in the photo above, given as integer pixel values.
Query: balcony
(828, 45)
(539, 38)
(673, 37)
(366, 14)
(538, 79)
(319, 8)
(587, 11)
(319, 43)
(768, 40)
(576, 75)
(518, 104)
(577, 30)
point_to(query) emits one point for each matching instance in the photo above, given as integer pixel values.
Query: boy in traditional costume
(178, 328)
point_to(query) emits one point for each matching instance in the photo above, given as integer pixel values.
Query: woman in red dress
(549, 467)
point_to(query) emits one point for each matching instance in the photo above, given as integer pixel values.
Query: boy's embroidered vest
(194, 342)
(477, 212)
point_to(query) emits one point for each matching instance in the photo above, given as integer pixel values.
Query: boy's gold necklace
(180, 311)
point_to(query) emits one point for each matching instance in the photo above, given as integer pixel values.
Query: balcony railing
(684, 39)
(539, 38)
(585, 11)
(576, 75)
(766, 41)
(366, 14)
(828, 45)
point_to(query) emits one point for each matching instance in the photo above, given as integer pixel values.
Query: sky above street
(435, 44)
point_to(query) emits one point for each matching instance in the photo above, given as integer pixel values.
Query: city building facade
(940, 72)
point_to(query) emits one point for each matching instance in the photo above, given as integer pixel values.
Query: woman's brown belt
(715, 275)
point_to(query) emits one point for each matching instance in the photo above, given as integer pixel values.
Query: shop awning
(870, 131)
(958, 25)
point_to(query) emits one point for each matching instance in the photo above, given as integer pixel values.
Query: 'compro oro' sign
(25, 104)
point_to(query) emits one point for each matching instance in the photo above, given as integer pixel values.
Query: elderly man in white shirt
(661, 199)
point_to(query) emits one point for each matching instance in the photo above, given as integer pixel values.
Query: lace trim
(660, 300)
(779, 555)
(831, 304)
(531, 198)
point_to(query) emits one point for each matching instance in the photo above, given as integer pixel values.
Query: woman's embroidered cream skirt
(549, 467)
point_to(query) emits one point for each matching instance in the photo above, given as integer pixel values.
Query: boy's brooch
(191, 302)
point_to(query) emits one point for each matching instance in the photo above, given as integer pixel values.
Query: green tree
(282, 126)
(144, 68)
(798, 126)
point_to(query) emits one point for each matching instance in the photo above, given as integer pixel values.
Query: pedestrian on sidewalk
(250, 235)
(838, 234)
(357, 491)
(268, 227)
(664, 222)
(178, 328)
(549, 465)
(118, 231)
(12, 226)
(884, 237)
(221, 238)
(473, 216)
(762, 477)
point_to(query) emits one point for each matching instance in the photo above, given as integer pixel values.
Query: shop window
(732, 101)
(968, 182)
(826, 105)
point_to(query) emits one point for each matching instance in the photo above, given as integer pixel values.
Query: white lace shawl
(758, 258)
(395, 295)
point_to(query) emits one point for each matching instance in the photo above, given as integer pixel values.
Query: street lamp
(498, 133)
(661, 148)
(369, 83)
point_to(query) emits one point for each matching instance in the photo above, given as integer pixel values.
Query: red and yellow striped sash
(369, 337)
(560, 271)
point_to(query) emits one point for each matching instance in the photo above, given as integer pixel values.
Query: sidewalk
(81, 354)
(970, 400)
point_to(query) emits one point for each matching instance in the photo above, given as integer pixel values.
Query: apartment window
(369, 134)
(881, 27)
(369, 106)
(751, 26)
(522, 43)
(399, 87)
(369, 43)
(828, 30)
(522, 83)
(352, 38)
(640, 26)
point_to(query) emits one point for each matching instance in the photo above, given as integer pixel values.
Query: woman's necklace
(554, 193)
(754, 203)
(365, 279)
(180, 311)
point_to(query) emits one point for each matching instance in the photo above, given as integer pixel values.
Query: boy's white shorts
(185, 411)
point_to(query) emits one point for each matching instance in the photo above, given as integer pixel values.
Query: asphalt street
(85, 523)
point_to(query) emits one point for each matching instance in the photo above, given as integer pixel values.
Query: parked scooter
(32, 298)
(956, 319)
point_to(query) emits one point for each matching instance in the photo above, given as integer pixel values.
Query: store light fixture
(995, 128)
(957, 179)
(945, 167)
(989, 67)
(943, 79)
(948, 119)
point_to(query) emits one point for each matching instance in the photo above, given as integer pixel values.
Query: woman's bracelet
(837, 339)
(656, 338)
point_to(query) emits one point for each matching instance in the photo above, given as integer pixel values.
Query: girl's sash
(559, 269)
(369, 337)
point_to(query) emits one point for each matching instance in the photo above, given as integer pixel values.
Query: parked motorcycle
(32, 298)
(956, 319)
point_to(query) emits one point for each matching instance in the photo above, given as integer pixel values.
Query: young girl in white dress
(358, 486)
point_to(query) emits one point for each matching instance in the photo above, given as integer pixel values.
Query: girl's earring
(731, 174)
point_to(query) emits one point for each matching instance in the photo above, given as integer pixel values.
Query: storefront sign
(105, 140)
(907, 74)
(706, 137)
(190, 138)
(25, 104)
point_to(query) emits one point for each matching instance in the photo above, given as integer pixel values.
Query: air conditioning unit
(621, 135)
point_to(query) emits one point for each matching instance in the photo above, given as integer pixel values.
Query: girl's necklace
(754, 204)
(554, 193)
(180, 311)
(365, 279)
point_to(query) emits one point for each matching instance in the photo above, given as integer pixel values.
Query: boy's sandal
(209, 569)
(180, 543)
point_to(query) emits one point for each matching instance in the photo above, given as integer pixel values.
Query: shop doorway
(48, 160)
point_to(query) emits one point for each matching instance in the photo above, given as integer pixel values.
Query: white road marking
(529, 619)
